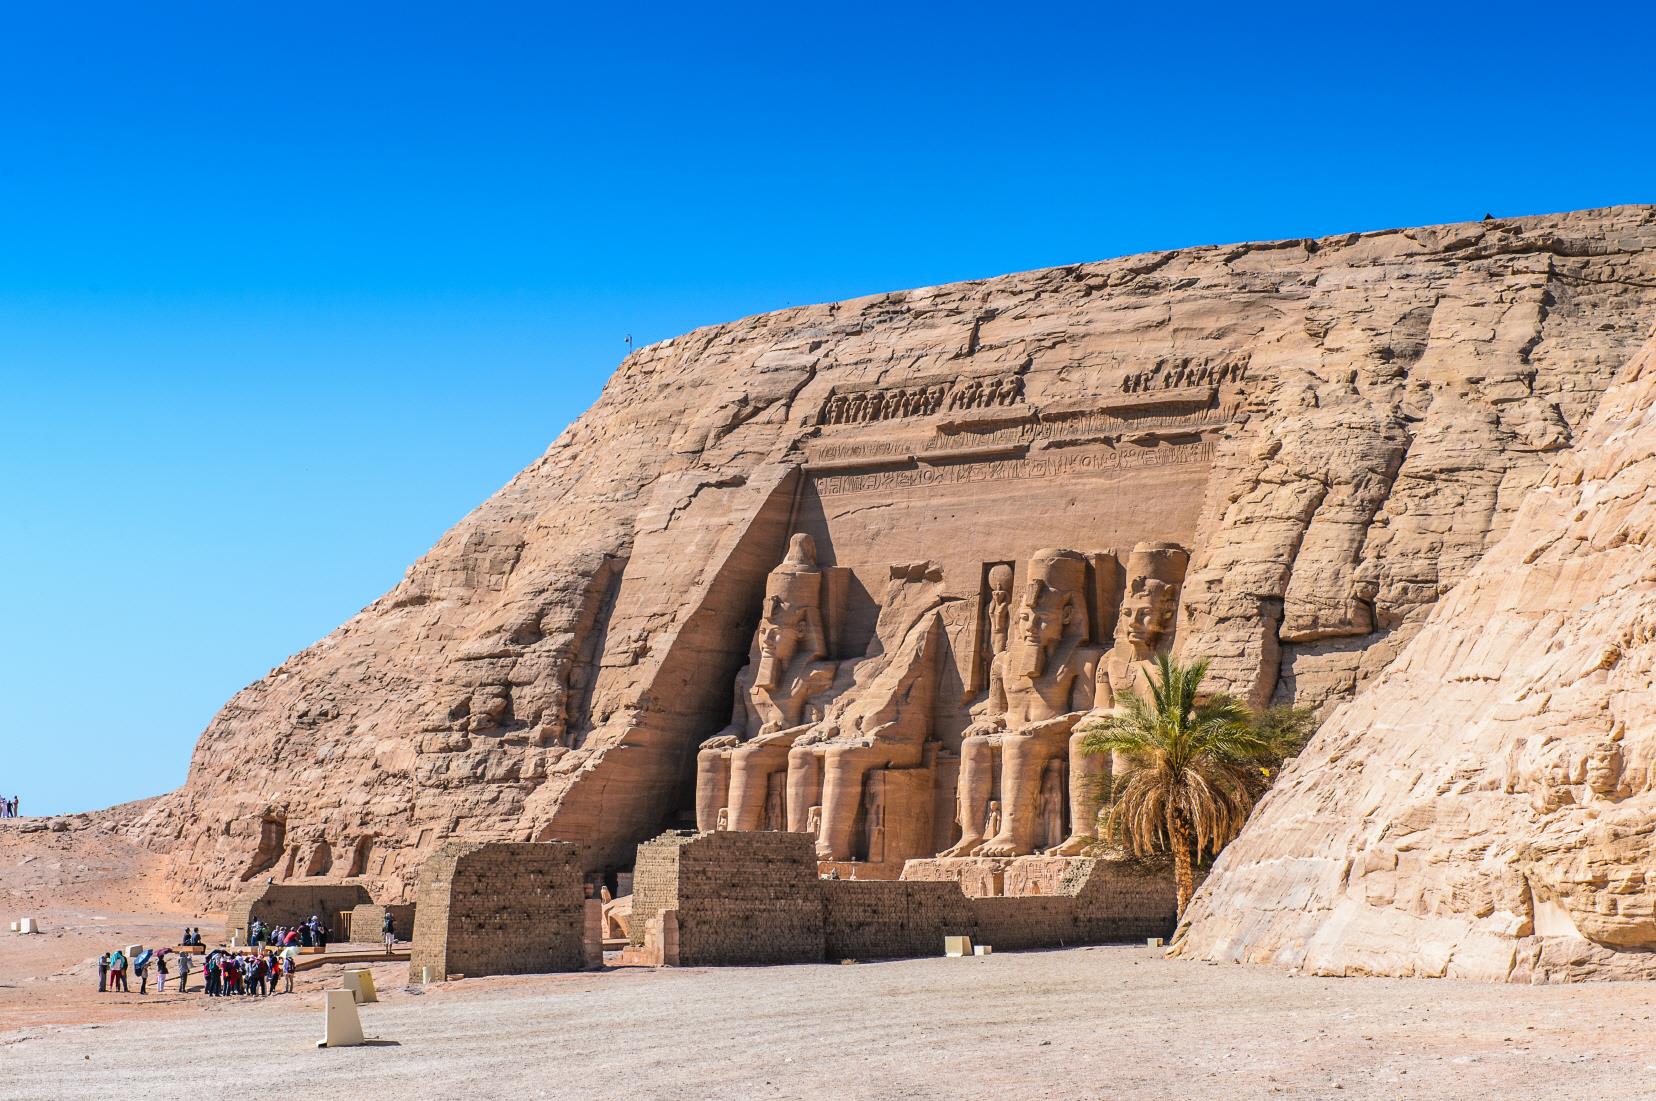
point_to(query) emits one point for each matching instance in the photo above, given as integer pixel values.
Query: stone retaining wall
(292, 903)
(367, 919)
(753, 898)
(499, 908)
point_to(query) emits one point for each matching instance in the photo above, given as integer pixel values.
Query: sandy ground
(1081, 1023)
(91, 892)
(1078, 1023)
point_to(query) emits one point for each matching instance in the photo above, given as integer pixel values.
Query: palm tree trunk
(1184, 876)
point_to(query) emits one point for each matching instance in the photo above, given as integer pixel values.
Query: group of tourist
(252, 975)
(8, 807)
(307, 934)
(113, 966)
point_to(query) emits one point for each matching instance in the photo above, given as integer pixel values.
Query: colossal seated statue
(1155, 572)
(776, 697)
(1040, 685)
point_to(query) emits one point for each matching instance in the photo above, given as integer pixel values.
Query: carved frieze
(921, 399)
(1186, 372)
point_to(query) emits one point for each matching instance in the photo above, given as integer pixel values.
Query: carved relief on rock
(921, 400)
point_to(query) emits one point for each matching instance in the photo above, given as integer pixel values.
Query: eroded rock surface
(1487, 807)
(1336, 429)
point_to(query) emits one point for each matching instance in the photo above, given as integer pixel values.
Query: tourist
(257, 933)
(142, 965)
(103, 972)
(117, 971)
(214, 977)
(389, 928)
(289, 962)
(161, 971)
(184, 972)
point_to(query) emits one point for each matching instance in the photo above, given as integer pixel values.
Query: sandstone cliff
(1487, 807)
(1337, 428)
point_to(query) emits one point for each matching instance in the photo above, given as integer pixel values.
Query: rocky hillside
(1370, 410)
(1487, 807)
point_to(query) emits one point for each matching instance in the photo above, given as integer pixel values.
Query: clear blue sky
(286, 289)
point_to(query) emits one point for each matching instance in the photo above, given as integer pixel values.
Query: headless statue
(786, 668)
(883, 724)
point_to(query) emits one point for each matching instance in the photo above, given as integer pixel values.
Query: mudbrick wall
(1337, 429)
(752, 898)
(498, 908)
(368, 920)
(292, 903)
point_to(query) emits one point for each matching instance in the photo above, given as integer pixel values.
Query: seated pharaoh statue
(776, 697)
(1155, 573)
(1042, 684)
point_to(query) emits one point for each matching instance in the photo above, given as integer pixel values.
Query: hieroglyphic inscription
(1046, 465)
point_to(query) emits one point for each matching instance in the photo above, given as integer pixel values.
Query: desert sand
(1078, 1023)
(1109, 1022)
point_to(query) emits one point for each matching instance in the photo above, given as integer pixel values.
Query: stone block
(341, 1026)
(957, 946)
(500, 908)
(360, 982)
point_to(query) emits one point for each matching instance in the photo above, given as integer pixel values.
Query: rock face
(1335, 430)
(1487, 807)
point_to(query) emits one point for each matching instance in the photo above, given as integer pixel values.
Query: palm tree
(1188, 768)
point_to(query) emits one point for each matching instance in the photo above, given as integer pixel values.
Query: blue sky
(285, 290)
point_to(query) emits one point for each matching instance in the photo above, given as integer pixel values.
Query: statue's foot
(966, 847)
(1002, 845)
(1075, 846)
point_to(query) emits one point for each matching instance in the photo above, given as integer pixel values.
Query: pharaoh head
(1154, 574)
(1053, 611)
(790, 624)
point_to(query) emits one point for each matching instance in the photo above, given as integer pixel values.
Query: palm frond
(1182, 757)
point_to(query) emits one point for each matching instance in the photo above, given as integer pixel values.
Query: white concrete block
(981, 950)
(360, 982)
(341, 1027)
(957, 946)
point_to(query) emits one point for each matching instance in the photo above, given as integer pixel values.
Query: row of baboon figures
(807, 730)
(920, 401)
(1188, 374)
